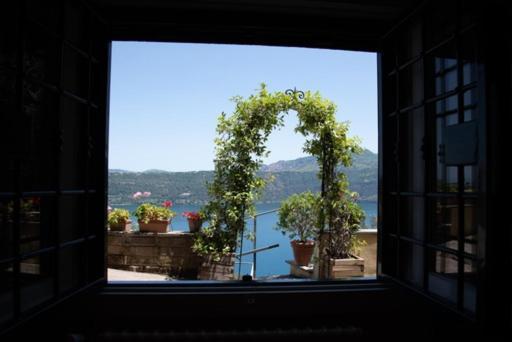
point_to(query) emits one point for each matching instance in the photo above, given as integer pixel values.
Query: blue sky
(165, 98)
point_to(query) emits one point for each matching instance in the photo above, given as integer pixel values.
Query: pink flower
(146, 194)
(109, 208)
(167, 204)
(136, 195)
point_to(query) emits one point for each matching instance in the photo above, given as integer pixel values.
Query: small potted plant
(341, 243)
(119, 220)
(153, 218)
(298, 216)
(195, 220)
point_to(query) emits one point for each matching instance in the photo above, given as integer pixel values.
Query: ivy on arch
(241, 147)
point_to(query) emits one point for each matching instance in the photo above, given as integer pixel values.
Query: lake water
(269, 262)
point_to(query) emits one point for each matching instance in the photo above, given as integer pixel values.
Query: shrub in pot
(341, 243)
(154, 218)
(119, 220)
(298, 216)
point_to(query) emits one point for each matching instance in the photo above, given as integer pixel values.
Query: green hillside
(289, 177)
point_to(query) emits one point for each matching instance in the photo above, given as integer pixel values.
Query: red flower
(192, 215)
(167, 204)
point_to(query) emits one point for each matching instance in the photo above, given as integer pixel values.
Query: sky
(165, 98)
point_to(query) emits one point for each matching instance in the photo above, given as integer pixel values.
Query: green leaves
(240, 149)
(149, 212)
(298, 216)
(117, 216)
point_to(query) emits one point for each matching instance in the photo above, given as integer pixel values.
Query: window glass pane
(441, 70)
(96, 267)
(37, 280)
(468, 55)
(471, 226)
(9, 122)
(470, 178)
(412, 163)
(390, 214)
(470, 99)
(445, 225)
(470, 285)
(6, 292)
(446, 176)
(42, 54)
(39, 138)
(411, 84)
(71, 268)
(412, 217)
(36, 223)
(6, 228)
(390, 250)
(73, 124)
(71, 217)
(76, 77)
(411, 263)
(442, 275)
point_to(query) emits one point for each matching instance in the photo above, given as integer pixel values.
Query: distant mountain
(367, 159)
(288, 177)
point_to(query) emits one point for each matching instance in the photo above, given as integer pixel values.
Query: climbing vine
(241, 147)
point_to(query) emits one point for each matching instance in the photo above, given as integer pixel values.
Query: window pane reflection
(441, 68)
(6, 228)
(445, 227)
(411, 269)
(471, 226)
(442, 275)
(36, 225)
(37, 282)
(6, 292)
(412, 217)
(470, 284)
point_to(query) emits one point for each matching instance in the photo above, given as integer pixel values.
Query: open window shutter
(55, 55)
(432, 155)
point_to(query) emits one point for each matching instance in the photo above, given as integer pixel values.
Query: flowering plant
(192, 215)
(150, 212)
(117, 216)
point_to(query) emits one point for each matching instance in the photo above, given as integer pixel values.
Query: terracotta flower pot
(154, 226)
(194, 225)
(121, 226)
(302, 251)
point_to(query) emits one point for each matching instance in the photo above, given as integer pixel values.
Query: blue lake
(269, 262)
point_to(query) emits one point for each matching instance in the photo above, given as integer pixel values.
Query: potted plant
(298, 216)
(216, 248)
(119, 220)
(341, 243)
(195, 220)
(153, 218)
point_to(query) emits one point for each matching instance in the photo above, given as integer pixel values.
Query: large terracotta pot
(121, 226)
(154, 226)
(302, 251)
(194, 225)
